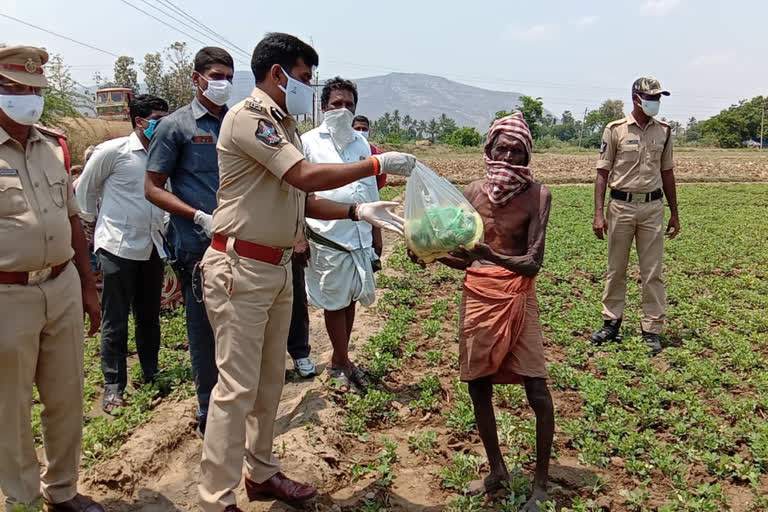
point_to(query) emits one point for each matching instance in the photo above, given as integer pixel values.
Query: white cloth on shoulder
(336, 278)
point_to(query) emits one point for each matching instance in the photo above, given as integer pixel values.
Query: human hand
(599, 227)
(301, 252)
(397, 163)
(673, 228)
(205, 221)
(92, 307)
(379, 214)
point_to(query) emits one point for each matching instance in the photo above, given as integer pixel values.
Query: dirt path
(157, 469)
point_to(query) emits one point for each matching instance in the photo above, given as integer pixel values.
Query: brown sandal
(112, 402)
(339, 381)
(359, 377)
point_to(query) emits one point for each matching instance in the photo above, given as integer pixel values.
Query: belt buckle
(638, 197)
(39, 276)
(287, 253)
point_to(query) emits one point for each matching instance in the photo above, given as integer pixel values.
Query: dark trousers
(202, 344)
(298, 335)
(137, 285)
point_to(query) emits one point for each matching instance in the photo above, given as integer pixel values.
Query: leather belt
(35, 277)
(637, 197)
(253, 251)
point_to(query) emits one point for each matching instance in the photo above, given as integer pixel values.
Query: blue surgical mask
(149, 130)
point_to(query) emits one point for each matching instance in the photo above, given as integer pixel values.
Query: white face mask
(364, 133)
(218, 91)
(651, 108)
(339, 123)
(24, 109)
(298, 96)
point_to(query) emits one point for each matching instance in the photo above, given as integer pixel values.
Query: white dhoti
(337, 278)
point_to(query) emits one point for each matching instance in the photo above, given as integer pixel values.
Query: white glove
(205, 221)
(400, 164)
(379, 214)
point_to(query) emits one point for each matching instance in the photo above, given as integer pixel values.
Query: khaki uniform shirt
(258, 143)
(36, 202)
(636, 157)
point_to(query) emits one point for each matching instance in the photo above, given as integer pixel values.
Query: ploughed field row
(691, 166)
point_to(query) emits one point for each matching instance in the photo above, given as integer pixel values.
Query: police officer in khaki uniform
(248, 292)
(41, 308)
(636, 162)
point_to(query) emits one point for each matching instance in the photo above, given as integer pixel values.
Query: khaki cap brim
(22, 77)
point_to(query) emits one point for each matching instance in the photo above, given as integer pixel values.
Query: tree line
(167, 74)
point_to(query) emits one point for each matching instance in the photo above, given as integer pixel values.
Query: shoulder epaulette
(53, 132)
(616, 122)
(254, 104)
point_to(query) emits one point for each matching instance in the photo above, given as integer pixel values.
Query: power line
(205, 27)
(174, 17)
(129, 4)
(59, 35)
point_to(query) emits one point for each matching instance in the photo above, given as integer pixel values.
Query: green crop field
(685, 431)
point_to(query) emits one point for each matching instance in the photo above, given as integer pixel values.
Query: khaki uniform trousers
(41, 342)
(249, 306)
(644, 223)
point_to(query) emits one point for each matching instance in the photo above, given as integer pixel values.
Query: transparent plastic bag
(438, 218)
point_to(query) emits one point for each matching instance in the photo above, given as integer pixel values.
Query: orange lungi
(499, 330)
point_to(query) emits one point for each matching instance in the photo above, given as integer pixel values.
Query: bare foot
(531, 505)
(488, 485)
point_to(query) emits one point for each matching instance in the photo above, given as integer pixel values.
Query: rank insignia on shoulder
(254, 104)
(267, 133)
(279, 116)
(603, 147)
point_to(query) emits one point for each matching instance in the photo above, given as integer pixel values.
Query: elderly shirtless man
(500, 335)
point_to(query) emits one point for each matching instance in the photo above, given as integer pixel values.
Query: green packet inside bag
(438, 218)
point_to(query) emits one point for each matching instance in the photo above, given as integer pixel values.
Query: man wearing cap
(42, 296)
(247, 278)
(636, 162)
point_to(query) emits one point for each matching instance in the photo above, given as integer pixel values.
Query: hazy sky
(573, 54)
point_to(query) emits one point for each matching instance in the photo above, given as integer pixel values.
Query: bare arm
(88, 283)
(156, 193)
(313, 177)
(324, 209)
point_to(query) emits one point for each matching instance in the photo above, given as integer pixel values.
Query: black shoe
(653, 341)
(608, 332)
(200, 429)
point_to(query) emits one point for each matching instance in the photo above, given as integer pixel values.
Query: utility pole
(762, 125)
(315, 113)
(583, 120)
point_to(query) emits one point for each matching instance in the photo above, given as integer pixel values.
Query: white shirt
(112, 186)
(319, 148)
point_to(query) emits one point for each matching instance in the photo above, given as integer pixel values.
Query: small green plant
(431, 328)
(466, 503)
(461, 418)
(410, 349)
(439, 309)
(509, 395)
(429, 387)
(462, 470)
(362, 412)
(423, 443)
(434, 357)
